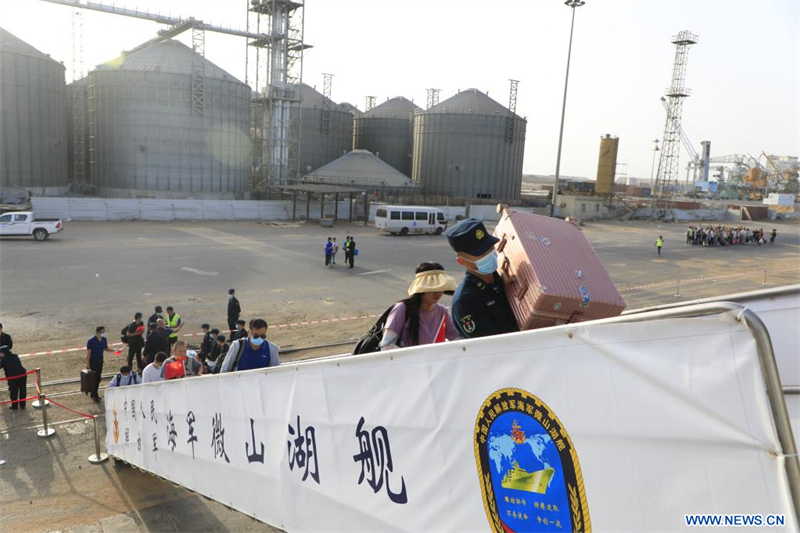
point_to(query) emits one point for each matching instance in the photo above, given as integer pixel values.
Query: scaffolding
(667, 176)
(276, 76)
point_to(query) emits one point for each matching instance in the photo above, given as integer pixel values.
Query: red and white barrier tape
(84, 415)
(291, 324)
(20, 376)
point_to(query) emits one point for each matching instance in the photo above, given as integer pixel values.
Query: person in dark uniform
(480, 307)
(5, 338)
(95, 350)
(12, 366)
(155, 316)
(234, 310)
(352, 251)
(136, 342)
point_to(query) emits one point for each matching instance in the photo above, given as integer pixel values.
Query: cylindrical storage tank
(156, 130)
(326, 131)
(607, 164)
(469, 146)
(33, 145)
(387, 131)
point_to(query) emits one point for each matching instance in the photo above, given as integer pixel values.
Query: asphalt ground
(53, 294)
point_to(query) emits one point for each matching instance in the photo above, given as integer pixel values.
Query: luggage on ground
(551, 273)
(88, 381)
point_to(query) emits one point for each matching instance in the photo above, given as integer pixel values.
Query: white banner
(611, 427)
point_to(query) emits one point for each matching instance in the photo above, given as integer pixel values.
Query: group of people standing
(160, 355)
(722, 235)
(332, 248)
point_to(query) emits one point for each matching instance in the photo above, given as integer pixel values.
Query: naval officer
(480, 306)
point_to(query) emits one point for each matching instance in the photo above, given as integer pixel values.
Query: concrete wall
(583, 207)
(145, 209)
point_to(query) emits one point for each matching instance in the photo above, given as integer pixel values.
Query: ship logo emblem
(528, 467)
(116, 427)
(479, 234)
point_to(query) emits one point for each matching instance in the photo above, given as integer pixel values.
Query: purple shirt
(429, 323)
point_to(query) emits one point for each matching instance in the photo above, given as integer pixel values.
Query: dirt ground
(53, 295)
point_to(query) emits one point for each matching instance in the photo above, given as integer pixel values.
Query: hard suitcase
(551, 273)
(88, 378)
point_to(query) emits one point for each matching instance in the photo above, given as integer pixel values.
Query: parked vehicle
(404, 220)
(24, 223)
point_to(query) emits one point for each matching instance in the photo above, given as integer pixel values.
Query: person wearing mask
(420, 318)
(152, 372)
(12, 366)
(5, 338)
(480, 306)
(240, 332)
(173, 320)
(136, 342)
(254, 351)
(155, 316)
(180, 364)
(218, 352)
(234, 310)
(334, 251)
(95, 351)
(352, 250)
(124, 378)
(150, 344)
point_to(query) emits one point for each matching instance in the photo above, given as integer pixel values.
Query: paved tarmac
(53, 294)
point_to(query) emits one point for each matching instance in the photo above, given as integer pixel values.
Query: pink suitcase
(551, 273)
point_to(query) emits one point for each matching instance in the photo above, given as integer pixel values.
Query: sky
(744, 72)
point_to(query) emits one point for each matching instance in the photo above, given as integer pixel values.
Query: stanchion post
(678, 289)
(97, 457)
(45, 431)
(765, 278)
(37, 404)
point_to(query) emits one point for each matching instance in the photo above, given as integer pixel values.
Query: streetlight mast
(573, 4)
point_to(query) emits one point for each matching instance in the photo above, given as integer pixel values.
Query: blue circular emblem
(528, 468)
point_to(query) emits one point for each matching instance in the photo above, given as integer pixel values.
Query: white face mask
(230, 297)
(102, 335)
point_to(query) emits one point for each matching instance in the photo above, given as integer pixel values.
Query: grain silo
(326, 130)
(469, 146)
(33, 147)
(155, 131)
(353, 109)
(606, 164)
(387, 130)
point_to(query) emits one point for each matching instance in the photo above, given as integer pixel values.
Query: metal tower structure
(667, 176)
(276, 77)
(512, 111)
(327, 80)
(78, 104)
(369, 102)
(433, 97)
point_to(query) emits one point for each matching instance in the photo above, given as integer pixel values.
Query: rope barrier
(84, 415)
(20, 401)
(20, 376)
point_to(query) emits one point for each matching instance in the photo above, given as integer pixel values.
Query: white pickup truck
(21, 223)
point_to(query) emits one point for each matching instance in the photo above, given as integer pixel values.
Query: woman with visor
(420, 318)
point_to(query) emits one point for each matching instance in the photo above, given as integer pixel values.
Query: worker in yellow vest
(174, 323)
(659, 243)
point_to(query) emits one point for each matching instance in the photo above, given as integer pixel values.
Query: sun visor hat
(432, 281)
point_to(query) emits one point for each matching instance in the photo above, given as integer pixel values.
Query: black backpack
(371, 342)
(124, 334)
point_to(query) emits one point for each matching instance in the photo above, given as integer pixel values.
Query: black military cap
(470, 236)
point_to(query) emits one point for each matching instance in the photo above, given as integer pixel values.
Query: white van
(404, 220)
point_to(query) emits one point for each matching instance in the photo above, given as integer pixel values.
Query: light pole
(573, 4)
(653, 166)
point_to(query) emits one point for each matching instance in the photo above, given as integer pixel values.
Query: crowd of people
(479, 308)
(723, 235)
